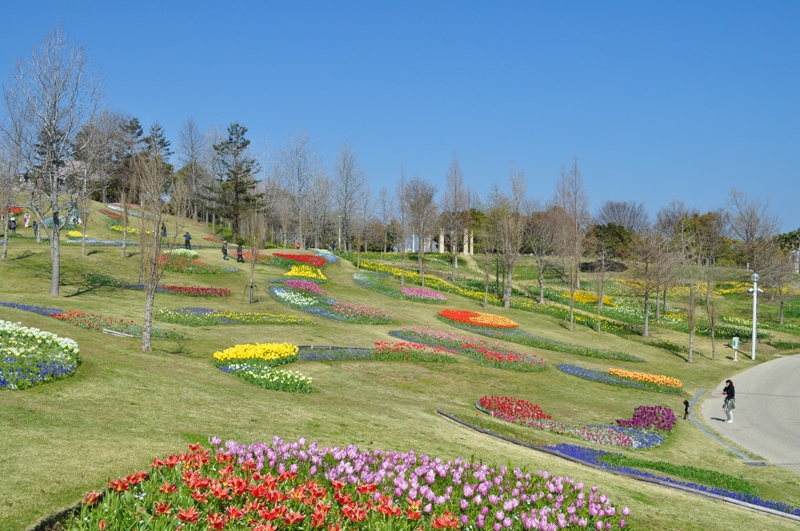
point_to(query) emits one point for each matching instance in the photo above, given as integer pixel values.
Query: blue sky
(659, 101)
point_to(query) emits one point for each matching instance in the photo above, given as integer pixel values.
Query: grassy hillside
(123, 406)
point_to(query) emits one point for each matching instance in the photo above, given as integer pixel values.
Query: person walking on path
(27, 219)
(224, 250)
(239, 254)
(730, 400)
(187, 239)
(163, 231)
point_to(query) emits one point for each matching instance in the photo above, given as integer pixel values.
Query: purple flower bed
(47, 312)
(593, 457)
(650, 417)
(334, 354)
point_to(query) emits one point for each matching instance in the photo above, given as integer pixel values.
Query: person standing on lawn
(239, 254)
(225, 250)
(187, 240)
(730, 400)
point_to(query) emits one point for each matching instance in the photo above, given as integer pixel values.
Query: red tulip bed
(407, 351)
(479, 319)
(179, 264)
(310, 259)
(490, 354)
(646, 429)
(303, 486)
(109, 213)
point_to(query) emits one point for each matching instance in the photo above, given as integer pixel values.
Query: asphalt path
(766, 420)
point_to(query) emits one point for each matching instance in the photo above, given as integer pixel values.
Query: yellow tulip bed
(305, 271)
(275, 353)
(655, 379)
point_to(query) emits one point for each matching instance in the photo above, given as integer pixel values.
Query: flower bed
(186, 253)
(265, 487)
(607, 378)
(95, 322)
(600, 458)
(525, 338)
(91, 321)
(255, 363)
(210, 317)
(29, 356)
(652, 379)
(271, 353)
(490, 354)
(659, 418)
(100, 279)
(212, 239)
(372, 282)
(334, 354)
(111, 214)
(527, 414)
(478, 319)
(305, 285)
(306, 271)
(326, 307)
(407, 351)
(179, 264)
(310, 259)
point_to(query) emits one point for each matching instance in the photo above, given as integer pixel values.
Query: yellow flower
(264, 351)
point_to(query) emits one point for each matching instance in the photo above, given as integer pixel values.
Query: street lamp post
(754, 277)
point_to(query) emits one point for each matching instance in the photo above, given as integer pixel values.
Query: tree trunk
(646, 331)
(147, 329)
(55, 255)
(540, 278)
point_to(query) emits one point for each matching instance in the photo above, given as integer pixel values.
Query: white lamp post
(754, 277)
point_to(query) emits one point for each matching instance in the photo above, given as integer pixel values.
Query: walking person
(730, 400)
(187, 240)
(224, 250)
(35, 230)
(27, 219)
(239, 254)
(163, 231)
(12, 225)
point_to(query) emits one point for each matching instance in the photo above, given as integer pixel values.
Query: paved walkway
(766, 420)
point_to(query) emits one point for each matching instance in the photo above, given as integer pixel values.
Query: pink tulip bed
(302, 486)
(647, 428)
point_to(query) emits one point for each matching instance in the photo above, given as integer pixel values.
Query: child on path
(730, 400)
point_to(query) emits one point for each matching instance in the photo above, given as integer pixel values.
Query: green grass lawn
(124, 407)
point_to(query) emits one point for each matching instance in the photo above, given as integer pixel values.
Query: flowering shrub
(29, 356)
(305, 285)
(268, 377)
(99, 323)
(310, 259)
(179, 264)
(607, 378)
(659, 418)
(654, 379)
(272, 353)
(406, 351)
(305, 271)
(531, 415)
(266, 487)
(209, 317)
(326, 307)
(525, 338)
(490, 354)
(481, 319)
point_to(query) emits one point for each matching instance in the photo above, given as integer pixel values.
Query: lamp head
(754, 277)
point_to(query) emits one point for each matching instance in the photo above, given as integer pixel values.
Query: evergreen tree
(234, 189)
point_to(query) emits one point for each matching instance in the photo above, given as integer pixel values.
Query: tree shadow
(24, 254)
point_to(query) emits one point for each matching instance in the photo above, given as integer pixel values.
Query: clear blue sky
(659, 100)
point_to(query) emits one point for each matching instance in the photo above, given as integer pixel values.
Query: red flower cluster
(518, 410)
(111, 214)
(479, 319)
(197, 291)
(212, 239)
(219, 490)
(316, 261)
(14, 211)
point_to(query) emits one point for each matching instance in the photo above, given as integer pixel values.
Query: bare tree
(455, 210)
(386, 211)
(628, 214)
(541, 236)
(420, 203)
(296, 170)
(403, 221)
(508, 224)
(572, 199)
(753, 225)
(154, 180)
(319, 206)
(193, 153)
(349, 187)
(9, 188)
(48, 99)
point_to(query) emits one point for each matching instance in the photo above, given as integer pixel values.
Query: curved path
(766, 420)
